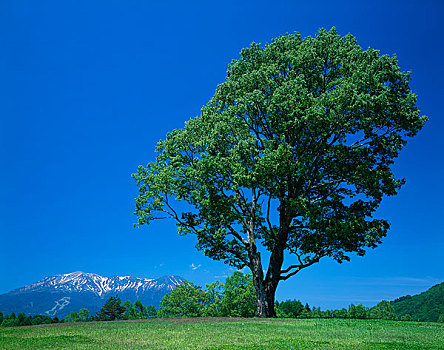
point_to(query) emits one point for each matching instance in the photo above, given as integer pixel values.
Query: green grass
(228, 334)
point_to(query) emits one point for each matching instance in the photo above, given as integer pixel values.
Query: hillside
(426, 306)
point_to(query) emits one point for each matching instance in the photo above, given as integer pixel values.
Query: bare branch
(237, 235)
(176, 217)
(283, 278)
(297, 268)
(270, 226)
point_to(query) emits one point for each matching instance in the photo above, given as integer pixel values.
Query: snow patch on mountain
(59, 305)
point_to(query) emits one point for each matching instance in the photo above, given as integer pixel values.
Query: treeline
(114, 310)
(234, 298)
(294, 309)
(13, 320)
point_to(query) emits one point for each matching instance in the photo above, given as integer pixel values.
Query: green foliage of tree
(21, 319)
(239, 297)
(357, 311)
(306, 312)
(1, 318)
(139, 309)
(84, 315)
(150, 311)
(72, 317)
(427, 306)
(441, 318)
(293, 152)
(406, 317)
(316, 312)
(214, 299)
(341, 313)
(234, 298)
(289, 308)
(40, 319)
(10, 322)
(186, 300)
(112, 310)
(383, 310)
(327, 314)
(130, 312)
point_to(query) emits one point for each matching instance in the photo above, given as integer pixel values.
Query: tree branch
(237, 235)
(296, 268)
(270, 226)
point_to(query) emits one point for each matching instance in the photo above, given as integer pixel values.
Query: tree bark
(266, 287)
(258, 283)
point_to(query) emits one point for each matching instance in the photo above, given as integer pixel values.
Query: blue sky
(89, 87)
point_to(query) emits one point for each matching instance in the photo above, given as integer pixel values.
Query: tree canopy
(112, 310)
(293, 151)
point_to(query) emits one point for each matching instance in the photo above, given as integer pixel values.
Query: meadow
(228, 333)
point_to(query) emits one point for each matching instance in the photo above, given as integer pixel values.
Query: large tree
(293, 152)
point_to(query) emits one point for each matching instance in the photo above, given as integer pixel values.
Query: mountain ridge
(426, 306)
(60, 294)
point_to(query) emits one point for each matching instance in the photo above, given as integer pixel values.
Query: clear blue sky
(87, 88)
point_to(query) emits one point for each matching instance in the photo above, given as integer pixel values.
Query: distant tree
(186, 300)
(327, 314)
(316, 312)
(407, 317)
(55, 320)
(306, 312)
(130, 312)
(72, 317)
(289, 308)
(351, 311)
(84, 315)
(361, 311)
(10, 322)
(214, 297)
(112, 310)
(294, 152)
(37, 319)
(1, 318)
(341, 313)
(23, 320)
(441, 318)
(383, 310)
(150, 311)
(405, 297)
(239, 297)
(139, 310)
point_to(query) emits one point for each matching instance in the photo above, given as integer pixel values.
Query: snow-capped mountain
(60, 294)
(90, 282)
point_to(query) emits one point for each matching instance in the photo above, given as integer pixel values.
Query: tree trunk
(270, 294)
(265, 288)
(262, 309)
(265, 294)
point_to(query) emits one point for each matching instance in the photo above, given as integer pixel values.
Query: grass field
(210, 333)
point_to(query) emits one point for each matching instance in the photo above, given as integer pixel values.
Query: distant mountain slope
(426, 306)
(60, 294)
